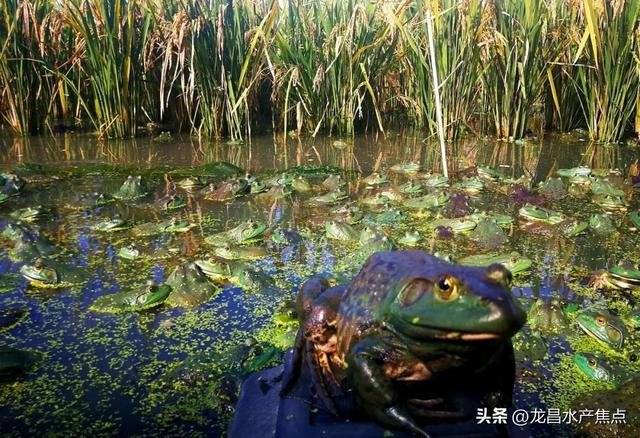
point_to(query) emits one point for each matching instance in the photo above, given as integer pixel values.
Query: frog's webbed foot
(423, 408)
(400, 419)
(375, 391)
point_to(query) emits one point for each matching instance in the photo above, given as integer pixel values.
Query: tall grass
(114, 34)
(457, 61)
(516, 67)
(28, 83)
(329, 57)
(213, 62)
(607, 81)
(562, 104)
(228, 67)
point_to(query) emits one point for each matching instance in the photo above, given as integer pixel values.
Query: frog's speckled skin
(406, 317)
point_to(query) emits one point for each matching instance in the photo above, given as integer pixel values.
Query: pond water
(175, 370)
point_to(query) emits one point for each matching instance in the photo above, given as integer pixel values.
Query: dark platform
(260, 412)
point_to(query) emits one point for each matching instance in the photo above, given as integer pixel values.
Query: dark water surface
(124, 374)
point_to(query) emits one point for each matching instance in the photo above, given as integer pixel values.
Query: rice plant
(226, 68)
(328, 59)
(114, 34)
(516, 72)
(606, 80)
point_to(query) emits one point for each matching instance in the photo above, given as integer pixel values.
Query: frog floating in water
(604, 327)
(407, 317)
(597, 367)
(547, 317)
(132, 300)
(14, 362)
(246, 232)
(189, 286)
(622, 276)
(236, 272)
(132, 188)
(27, 243)
(163, 137)
(10, 184)
(33, 214)
(228, 190)
(51, 274)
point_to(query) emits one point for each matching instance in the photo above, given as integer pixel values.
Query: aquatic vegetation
(154, 363)
(214, 68)
(607, 78)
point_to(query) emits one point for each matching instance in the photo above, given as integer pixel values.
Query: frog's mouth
(459, 336)
(422, 331)
(467, 336)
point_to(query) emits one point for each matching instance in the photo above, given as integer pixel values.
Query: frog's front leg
(310, 290)
(370, 370)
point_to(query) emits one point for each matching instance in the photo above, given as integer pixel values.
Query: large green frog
(132, 300)
(27, 243)
(604, 327)
(406, 318)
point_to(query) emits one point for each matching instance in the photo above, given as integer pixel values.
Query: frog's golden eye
(413, 291)
(601, 320)
(592, 362)
(447, 288)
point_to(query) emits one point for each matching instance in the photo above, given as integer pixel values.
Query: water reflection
(121, 357)
(364, 153)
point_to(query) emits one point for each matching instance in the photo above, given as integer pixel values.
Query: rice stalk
(114, 35)
(516, 70)
(606, 80)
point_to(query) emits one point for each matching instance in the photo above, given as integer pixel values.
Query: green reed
(329, 57)
(607, 77)
(225, 68)
(457, 60)
(114, 34)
